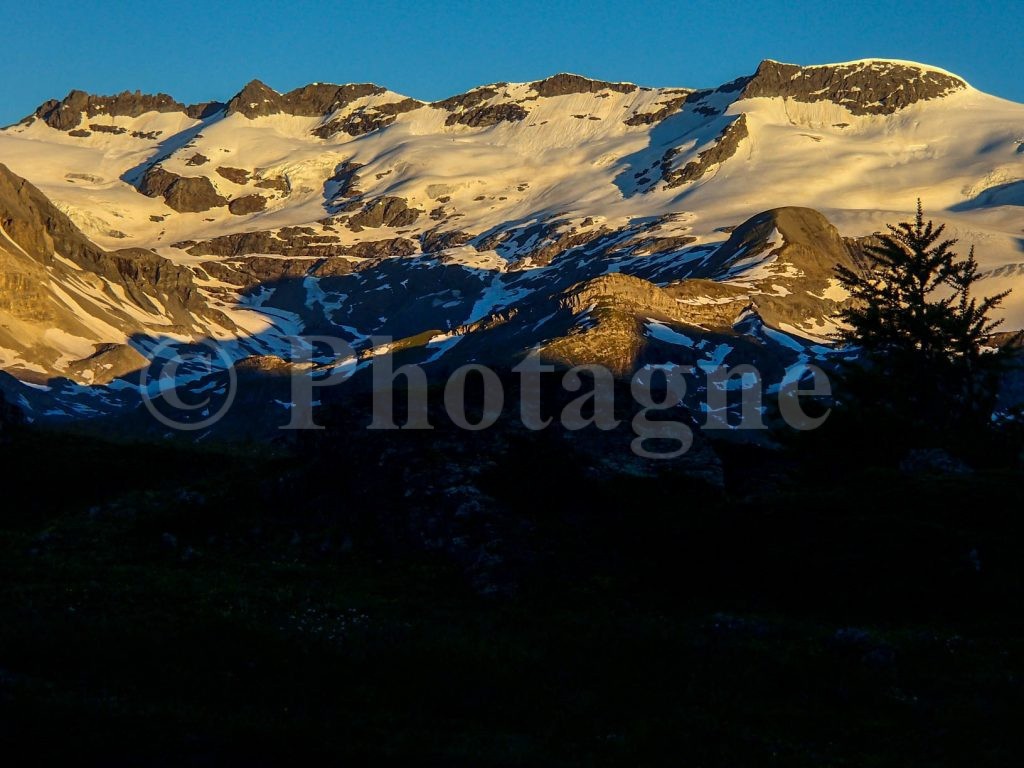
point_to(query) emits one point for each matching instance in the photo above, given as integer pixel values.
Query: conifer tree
(923, 341)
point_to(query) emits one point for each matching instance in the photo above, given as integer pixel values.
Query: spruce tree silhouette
(925, 359)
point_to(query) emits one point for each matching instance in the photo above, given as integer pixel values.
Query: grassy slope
(194, 615)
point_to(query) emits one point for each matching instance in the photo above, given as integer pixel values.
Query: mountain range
(602, 222)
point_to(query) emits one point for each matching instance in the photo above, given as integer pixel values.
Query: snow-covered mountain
(607, 222)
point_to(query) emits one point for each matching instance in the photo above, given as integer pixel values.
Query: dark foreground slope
(170, 606)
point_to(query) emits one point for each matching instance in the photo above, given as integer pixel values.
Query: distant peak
(256, 86)
(864, 87)
(66, 114)
(565, 83)
(257, 99)
(901, 64)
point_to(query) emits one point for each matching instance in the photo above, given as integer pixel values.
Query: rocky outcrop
(469, 99)
(280, 183)
(251, 271)
(864, 88)
(725, 146)
(257, 99)
(649, 246)
(613, 306)
(785, 259)
(247, 204)
(563, 84)
(108, 362)
(341, 185)
(387, 211)
(665, 108)
(185, 194)
(296, 242)
(474, 108)
(156, 181)
(39, 230)
(367, 119)
(622, 291)
(66, 114)
(205, 109)
(237, 175)
(708, 303)
(293, 244)
(57, 285)
(487, 115)
(299, 257)
(193, 195)
(382, 249)
(436, 240)
(114, 129)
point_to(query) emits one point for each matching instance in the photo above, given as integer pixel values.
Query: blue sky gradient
(198, 51)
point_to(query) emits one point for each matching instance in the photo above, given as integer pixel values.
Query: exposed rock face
(299, 254)
(296, 242)
(665, 108)
(256, 99)
(264, 241)
(367, 119)
(192, 194)
(557, 244)
(342, 183)
(324, 98)
(247, 204)
(237, 175)
(539, 243)
(614, 305)
(467, 100)
(864, 88)
(45, 258)
(280, 183)
(317, 99)
(67, 113)
(114, 129)
(723, 148)
(472, 108)
(708, 303)
(785, 259)
(654, 245)
(435, 240)
(108, 362)
(384, 212)
(251, 271)
(156, 181)
(204, 109)
(563, 84)
(625, 291)
(805, 233)
(486, 115)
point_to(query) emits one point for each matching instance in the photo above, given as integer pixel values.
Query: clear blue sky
(198, 51)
